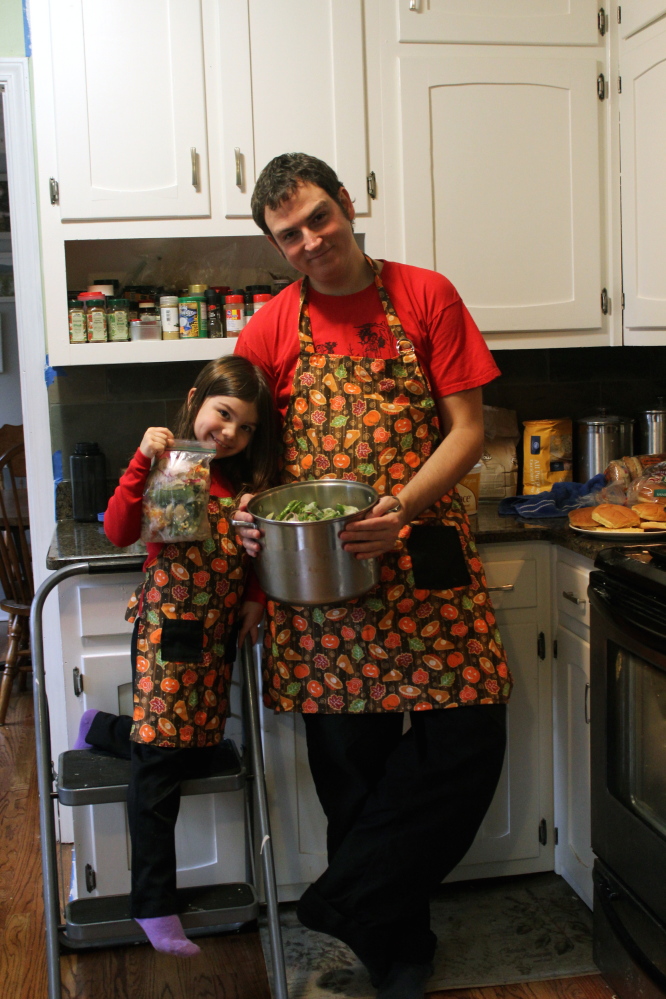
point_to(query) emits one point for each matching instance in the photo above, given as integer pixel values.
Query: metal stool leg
(45, 777)
(257, 756)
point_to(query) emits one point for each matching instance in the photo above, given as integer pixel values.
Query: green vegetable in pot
(298, 511)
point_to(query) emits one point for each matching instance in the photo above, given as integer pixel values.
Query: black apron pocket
(182, 641)
(438, 562)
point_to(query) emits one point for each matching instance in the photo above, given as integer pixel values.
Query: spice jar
(77, 321)
(117, 317)
(214, 317)
(260, 299)
(148, 309)
(197, 289)
(192, 316)
(96, 318)
(234, 307)
(146, 329)
(169, 317)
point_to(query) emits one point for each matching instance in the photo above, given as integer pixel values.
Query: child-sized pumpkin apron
(185, 648)
(418, 640)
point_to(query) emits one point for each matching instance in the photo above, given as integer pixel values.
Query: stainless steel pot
(601, 439)
(653, 429)
(306, 563)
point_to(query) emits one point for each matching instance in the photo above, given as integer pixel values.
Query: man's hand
(154, 441)
(377, 532)
(250, 615)
(249, 534)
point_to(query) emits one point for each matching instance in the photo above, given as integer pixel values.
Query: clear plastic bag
(175, 499)
(650, 487)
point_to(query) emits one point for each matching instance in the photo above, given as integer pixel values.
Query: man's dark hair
(280, 178)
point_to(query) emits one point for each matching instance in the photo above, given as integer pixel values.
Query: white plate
(633, 534)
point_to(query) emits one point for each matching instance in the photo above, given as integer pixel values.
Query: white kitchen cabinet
(574, 858)
(292, 80)
(643, 152)
(638, 14)
(501, 181)
(517, 22)
(509, 839)
(130, 109)
(210, 832)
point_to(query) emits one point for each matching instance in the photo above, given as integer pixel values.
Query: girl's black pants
(402, 811)
(153, 801)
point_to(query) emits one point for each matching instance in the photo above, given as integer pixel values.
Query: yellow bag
(547, 454)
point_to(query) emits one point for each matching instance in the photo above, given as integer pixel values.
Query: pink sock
(84, 727)
(166, 934)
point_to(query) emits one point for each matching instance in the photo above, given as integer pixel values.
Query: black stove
(628, 767)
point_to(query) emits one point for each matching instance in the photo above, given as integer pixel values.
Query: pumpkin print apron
(416, 641)
(185, 643)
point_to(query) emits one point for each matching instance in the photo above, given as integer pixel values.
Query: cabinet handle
(414, 5)
(570, 595)
(506, 588)
(195, 168)
(239, 168)
(587, 704)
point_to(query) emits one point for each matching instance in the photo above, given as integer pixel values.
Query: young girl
(186, 616)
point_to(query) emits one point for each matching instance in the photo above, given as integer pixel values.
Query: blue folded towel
(564, 496)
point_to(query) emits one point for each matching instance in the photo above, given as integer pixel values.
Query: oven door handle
(607, 896)
(616, 616)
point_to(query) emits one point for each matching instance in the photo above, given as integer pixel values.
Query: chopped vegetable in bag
(175, 500)
(302, 512)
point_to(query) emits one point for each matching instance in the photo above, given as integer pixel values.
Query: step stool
(93, 778)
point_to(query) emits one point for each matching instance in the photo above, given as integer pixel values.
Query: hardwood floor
(230, 967)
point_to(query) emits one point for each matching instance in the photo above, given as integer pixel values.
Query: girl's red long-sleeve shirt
(122, 520)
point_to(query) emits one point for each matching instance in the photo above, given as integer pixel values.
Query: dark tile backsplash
(575, 382)
(113, 405)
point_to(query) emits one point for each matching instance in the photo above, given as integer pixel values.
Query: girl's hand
(250, 533)
(377, 532)
(154, 441)
(250, 616)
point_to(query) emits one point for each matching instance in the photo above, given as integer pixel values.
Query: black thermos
(88, 470)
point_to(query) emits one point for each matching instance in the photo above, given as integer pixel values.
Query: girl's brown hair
(255, 468)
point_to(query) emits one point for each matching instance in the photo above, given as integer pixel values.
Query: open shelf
(140, 351)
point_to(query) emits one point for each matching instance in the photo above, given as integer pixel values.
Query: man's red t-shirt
(448, 344)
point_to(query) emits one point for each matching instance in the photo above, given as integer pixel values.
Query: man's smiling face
(313, 232)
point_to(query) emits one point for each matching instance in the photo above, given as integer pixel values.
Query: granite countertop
(75, 542)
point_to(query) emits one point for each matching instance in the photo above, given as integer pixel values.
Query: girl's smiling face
(226, 422)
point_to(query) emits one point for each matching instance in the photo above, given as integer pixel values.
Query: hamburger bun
(582, 517)
(652, 525)
(650, 511)
(614, 516)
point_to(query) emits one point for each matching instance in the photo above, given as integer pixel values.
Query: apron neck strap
(405, 346)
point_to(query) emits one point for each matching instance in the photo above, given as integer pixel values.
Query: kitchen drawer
(571, 592)
(512, 584)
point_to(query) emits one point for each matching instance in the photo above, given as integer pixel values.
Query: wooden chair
(15, 569)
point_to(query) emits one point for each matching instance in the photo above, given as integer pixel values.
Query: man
(377, 369)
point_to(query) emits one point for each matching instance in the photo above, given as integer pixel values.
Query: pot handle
(242, 523)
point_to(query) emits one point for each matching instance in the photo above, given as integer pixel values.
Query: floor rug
(494, 932)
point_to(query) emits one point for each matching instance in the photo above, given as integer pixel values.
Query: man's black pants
(402, 811)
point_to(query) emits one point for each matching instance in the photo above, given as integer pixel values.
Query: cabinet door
(573, 854)
(509, 837)
(638, 14)
(130, 109)
(643, 152)
(521, 22)
(501, 184)
(292, 81)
